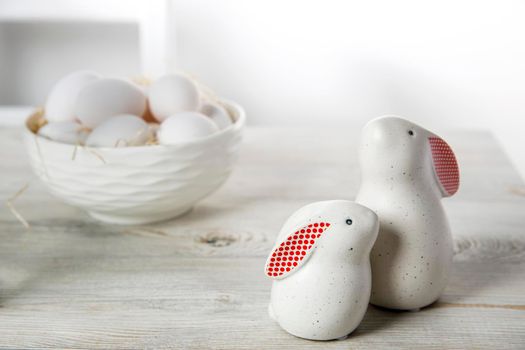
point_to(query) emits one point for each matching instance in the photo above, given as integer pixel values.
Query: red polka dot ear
(445, 166)
(293, 252)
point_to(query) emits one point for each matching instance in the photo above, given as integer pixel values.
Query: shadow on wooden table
(377, 319)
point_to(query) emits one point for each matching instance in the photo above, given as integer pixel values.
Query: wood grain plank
(198, 282)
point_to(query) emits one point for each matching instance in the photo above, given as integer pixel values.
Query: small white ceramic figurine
(406, 170)
(321, 269)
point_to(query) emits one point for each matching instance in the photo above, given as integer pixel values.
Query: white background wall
(445, 64)
(37, 53)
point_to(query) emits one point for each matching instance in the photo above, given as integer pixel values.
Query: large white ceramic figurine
(321, 269)
(406, 170)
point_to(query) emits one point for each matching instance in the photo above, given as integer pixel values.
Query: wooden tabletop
(197, 282)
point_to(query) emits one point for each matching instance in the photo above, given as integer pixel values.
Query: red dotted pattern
(445, 164)
(290, 253)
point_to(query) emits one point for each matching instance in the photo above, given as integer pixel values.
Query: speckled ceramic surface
(321, 269)
(135, 185)
(406, 170)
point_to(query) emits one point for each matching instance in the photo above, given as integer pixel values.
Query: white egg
(60, 103)
(120, 131)
(106, 98)
(185, 127)
(217, 113)
(172, 94)
(66, 132)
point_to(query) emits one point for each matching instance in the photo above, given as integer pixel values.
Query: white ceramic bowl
(136, 185)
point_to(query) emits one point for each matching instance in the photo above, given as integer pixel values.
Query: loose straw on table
(16, 213)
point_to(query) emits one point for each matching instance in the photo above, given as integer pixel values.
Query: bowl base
(137, 219)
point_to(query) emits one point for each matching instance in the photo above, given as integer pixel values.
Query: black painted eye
(411, 132)
(349, 221)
